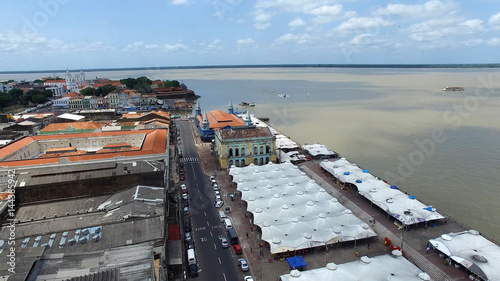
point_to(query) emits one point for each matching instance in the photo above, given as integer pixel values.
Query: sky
(71, 34)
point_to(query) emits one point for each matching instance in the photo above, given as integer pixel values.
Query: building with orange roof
(216, 120)
(85, 161)
(71, 128)
(240, 146)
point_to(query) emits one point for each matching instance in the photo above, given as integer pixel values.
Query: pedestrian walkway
(188, 159)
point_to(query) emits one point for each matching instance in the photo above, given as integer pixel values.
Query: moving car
(224, 242)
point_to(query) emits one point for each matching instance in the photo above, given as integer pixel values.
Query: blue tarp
(359, 181)
(365, 171)
(394, 187)
(296, 262)
(346, 173)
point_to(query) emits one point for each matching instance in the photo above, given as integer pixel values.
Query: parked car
(190, 245)
(215, 187)
(248, 278)
(242, 264)
(213, 181)
(184, 189)
(183, 177)
(187, 237)
(237, 249)
(224, 243)
(219, 204)
(193, 270)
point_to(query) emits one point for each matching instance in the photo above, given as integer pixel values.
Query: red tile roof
(155, 142)
(90, 125)
(218, 119)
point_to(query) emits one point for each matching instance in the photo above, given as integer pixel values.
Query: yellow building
(240, 146)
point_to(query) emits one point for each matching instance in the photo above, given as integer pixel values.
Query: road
(214, 262)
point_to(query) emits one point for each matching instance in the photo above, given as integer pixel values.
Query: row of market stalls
(404, 208)
(286, 148)
(385, 267)
(293, 211)
(472, 252)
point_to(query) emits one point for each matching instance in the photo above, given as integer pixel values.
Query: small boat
(453, 89)
(283, 95)
(248, 103)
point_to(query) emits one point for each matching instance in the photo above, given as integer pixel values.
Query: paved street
(214, 262)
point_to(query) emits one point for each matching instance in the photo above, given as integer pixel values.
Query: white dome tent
(292, 210)
(402, 207)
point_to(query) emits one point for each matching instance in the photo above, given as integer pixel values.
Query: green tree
(38, 98)
(104, 90)
(129, 82)
(15, 95)
(5, 100)
(88, 91)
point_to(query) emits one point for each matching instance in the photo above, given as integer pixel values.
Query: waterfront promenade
(413, 240)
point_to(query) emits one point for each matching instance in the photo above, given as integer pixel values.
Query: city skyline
(64, 34)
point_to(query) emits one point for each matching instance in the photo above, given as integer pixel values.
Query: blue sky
(60, 34)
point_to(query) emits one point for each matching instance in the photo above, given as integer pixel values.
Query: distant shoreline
(485, 65)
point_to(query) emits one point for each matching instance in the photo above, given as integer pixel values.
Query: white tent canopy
(404, 208)
(293, 211)
(318, 150)
(471, 250)
(385, 267)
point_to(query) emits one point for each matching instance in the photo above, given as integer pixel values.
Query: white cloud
(291, 6)
(245, 42)
(473, 42)
(361, 39)
(325, 13)
(152, 46)
(494, 41)
(262, 26)
(444, 30)
(179, 2)
(495, 20)
(295, 38)
(261, 16)
(174, 47)
(362, 23)
(134, 46)
(429, 9)
(296, 23)
(26, 43)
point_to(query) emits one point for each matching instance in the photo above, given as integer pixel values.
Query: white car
(213, 181)
(217, 193)
(218, 198)
(248, 278)
(216, 187)
(219, 204)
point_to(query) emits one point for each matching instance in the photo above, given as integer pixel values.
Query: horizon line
(450, 65)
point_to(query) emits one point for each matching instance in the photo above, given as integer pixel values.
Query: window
(261, 149)
(268, 149)
(255, 150)
(242, 151)
(236, 152)
(230, 152)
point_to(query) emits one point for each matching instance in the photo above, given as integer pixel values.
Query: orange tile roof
(155, 142)
(132, 115)
(63, 154)
(108, 82)
(76, 125)
(4, 196)
(116, 145)
(120, 149)
(55, 81)
(72, 94)
(66, 149)
(218, 119)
